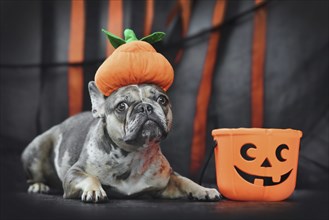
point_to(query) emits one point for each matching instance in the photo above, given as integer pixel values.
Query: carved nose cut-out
(266, 163)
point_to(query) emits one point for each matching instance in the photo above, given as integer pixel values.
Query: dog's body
(117, 147)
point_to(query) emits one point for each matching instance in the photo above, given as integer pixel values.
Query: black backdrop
(33, 70)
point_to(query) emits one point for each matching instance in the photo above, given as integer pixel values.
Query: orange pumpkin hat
(133, 62)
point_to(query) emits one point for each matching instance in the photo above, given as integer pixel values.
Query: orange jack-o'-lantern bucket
(255, 164)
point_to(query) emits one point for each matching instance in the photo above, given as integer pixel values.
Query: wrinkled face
(137, 115)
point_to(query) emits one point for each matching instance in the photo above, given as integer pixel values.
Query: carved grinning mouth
(267, 181)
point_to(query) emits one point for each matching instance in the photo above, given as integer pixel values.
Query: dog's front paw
(205, 194)
(38, 188)
(94, 195)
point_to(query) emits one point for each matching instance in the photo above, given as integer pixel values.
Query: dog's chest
(135, 172)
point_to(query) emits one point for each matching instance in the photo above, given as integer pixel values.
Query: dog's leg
(36, 162)
(78, 183)
(182, 187)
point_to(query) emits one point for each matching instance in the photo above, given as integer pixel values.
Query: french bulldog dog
(116, 147)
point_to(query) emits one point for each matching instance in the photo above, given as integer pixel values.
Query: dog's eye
(122, 106)
(162, 100)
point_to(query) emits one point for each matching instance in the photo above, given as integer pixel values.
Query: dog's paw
(38, 188)
(91, 190)
(205, 194)
(94, 195)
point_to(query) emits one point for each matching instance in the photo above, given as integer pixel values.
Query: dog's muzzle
(143, 123)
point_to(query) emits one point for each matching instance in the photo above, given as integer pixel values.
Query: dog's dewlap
(133, 62)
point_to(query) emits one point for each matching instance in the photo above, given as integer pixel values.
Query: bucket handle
(205, 166)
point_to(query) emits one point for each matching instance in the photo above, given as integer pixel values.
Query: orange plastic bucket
(255, 164)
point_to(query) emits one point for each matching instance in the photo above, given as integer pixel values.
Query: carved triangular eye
(244, 149)
(278, 152)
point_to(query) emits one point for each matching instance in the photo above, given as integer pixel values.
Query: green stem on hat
(131, 36)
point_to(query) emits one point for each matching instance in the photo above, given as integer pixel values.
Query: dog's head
(135, 115)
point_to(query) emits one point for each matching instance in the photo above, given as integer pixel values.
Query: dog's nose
(142, 107)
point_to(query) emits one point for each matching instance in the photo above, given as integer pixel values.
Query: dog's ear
(97, 100)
